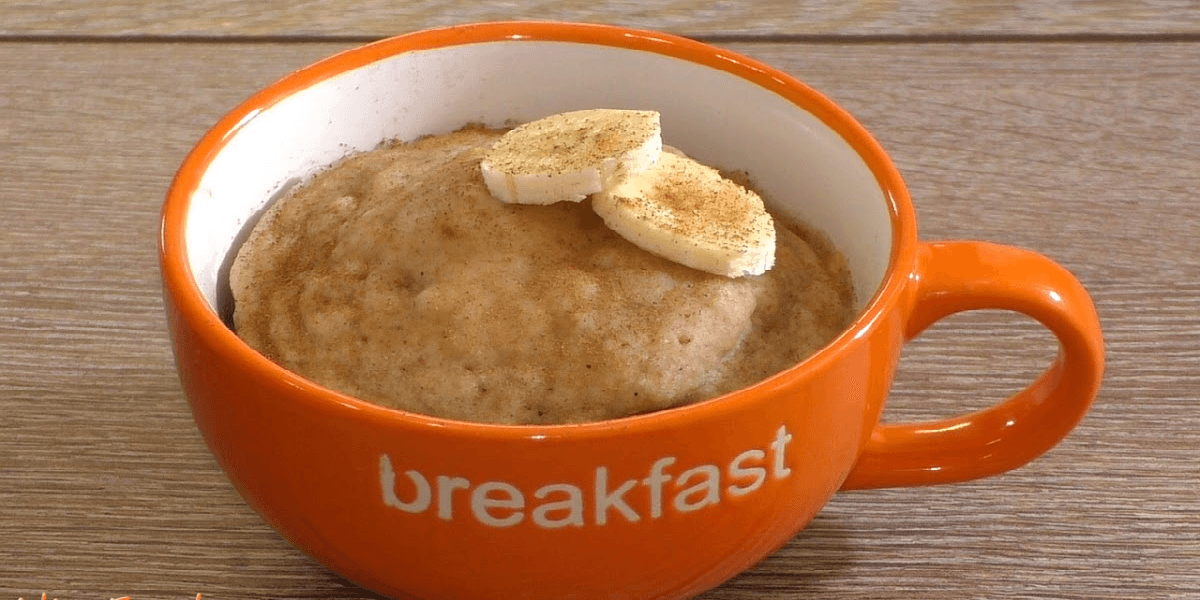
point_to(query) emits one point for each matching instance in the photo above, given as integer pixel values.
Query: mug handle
(956, 276)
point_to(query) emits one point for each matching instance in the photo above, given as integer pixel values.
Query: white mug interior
(804, 168)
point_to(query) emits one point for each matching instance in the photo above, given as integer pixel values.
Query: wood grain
(1085, 152)
(380, 18)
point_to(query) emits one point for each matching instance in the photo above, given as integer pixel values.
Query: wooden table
(1069, 127)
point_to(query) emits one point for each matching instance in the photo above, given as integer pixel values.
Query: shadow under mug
(663, 505)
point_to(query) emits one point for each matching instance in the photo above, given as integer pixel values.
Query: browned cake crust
(396, 278)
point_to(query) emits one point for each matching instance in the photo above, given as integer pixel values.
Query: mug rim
(179, 281)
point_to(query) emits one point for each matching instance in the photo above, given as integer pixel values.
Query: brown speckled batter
(395, 277)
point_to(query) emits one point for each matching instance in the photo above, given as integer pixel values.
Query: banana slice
(570, 155)
(686, 212)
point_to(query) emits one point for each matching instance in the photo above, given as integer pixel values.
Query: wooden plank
(381, 18)
(1086, 152)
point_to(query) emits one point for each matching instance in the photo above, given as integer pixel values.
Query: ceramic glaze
(662, 505)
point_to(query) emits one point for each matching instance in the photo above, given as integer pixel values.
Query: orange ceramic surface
(664, 505)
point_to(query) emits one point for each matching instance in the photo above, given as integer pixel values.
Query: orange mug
(662, 505)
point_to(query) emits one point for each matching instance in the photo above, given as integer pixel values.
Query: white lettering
(655, 482)
(573, 504)
(738, 470)
(710, 487)
(779, 468)
(605, 500)
(387, 480)
(482, 503)
(446, 487)
(558, 505)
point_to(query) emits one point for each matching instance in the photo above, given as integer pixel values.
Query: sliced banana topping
(687, 212)
(650, 194)
(567, 156)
